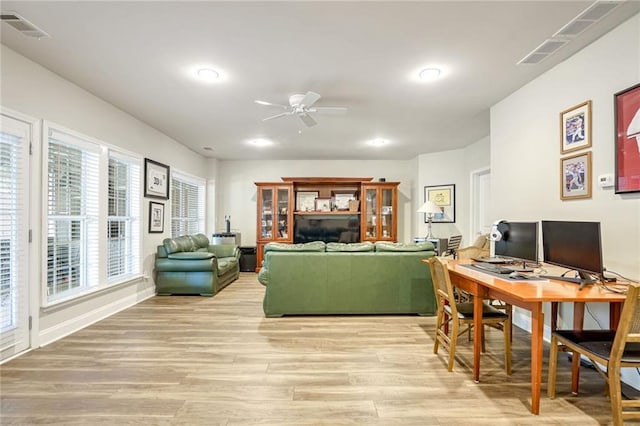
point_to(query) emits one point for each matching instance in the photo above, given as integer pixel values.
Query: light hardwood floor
(219, 361)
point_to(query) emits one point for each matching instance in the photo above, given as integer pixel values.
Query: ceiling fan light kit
(301, 105)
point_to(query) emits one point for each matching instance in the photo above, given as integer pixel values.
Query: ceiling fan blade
(309, 99)
(282, 114)
(307, 120)
(271, 104)
(329, 110)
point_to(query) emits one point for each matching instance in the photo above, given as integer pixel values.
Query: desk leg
(537, 338)
(477, 336)
(578, 323)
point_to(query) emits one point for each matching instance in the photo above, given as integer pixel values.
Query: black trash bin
(247, 259)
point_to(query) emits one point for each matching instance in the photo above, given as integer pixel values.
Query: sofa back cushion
(185, 243)
(312, 246)
(387, 246)
(200, 241)
(351, 247)
(224, 250)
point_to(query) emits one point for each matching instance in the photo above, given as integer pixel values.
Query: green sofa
(190, 265)
(336, 278)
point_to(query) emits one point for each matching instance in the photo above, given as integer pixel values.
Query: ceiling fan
(302, 106)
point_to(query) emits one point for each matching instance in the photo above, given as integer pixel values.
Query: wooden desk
(528, 295)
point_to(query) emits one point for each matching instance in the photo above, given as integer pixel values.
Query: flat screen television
(327, 228)
(519, 242)
(575, 246)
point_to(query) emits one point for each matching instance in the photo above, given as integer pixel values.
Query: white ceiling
(362, 55)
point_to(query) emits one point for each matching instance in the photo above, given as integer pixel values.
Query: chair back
(442, 284)
(629, 326)
(453, 244)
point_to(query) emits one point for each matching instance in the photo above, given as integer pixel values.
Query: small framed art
(575, 128)
(156, 217)
(156, 179)
(323, 204)
(443, 196)
(341, 199)
(575, 176)
(306, 201)
(627, 140)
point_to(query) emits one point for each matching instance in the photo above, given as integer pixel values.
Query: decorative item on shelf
(627, 140)
(305, 200)
(575, 176)
(341, 199)
(323, 204)
(354, 205)
(443, 196)
(430, 209)
(386, 210)
(575, 128)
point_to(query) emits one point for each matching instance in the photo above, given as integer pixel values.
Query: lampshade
(429, 207)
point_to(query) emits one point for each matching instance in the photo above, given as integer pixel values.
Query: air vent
(545, 49)
(22, 25)
(570, 30)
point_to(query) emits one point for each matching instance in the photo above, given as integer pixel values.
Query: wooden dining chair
(608, 350)
(452, 316)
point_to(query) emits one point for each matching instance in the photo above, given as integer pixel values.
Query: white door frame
(475, 227)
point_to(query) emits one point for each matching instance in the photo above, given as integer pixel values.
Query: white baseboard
(79, 322)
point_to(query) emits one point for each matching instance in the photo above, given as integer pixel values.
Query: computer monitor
(576, 246)
(519, 242)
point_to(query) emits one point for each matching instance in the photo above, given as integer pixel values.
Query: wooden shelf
(338, 213)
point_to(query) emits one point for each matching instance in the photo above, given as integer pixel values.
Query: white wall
(525, 152)
(31, 89)
(236, 191)
(450, 167)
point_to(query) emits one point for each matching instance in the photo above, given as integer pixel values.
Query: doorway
(480, 203)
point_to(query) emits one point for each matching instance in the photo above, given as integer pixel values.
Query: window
(91, 189)
(123, 213)
(187, 204)
(72, 210)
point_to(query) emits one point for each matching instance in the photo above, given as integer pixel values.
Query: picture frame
(306, 200)
(341, 199)
(156, 217)
(627, 140)
(443, 196)
(575, 128)
(575, 176)
(323, 204)
(156, 179)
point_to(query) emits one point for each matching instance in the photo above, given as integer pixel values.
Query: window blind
(123, 216)
(187, 204)
(73, 173)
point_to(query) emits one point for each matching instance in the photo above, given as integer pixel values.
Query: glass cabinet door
(370, 210)
(282, 213)
(386, 213)
(267, 213)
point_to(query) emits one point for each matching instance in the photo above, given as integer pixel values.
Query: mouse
(517, 275)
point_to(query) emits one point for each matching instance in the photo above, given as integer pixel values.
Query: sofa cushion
(365, 246)
(182, 243)
(224, 250)
(200, 241)
(225, 264)
(191, 255)
(312, 246)
(387, 246)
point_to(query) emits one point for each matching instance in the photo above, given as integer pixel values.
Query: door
(480, 202)
(15, 138)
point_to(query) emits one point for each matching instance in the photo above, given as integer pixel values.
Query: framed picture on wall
(156, 179)
(575, 128)
(156, 217)
(443, 196)
(627, 140)
(575, 176)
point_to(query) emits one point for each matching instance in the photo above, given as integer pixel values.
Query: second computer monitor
(519, 241)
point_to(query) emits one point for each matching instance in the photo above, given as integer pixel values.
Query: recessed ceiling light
(378, 142)
(260, 142)
(208, 74)
(429, 74)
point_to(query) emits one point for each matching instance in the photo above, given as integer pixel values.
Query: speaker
(495, 234)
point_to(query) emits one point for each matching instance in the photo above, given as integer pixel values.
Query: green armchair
(190, 265)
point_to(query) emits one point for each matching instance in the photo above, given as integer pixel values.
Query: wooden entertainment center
(340, 209)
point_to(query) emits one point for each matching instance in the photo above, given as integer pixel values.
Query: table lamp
(430, 208)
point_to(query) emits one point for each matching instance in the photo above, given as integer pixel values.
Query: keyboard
(490, 259)
(489, 267)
